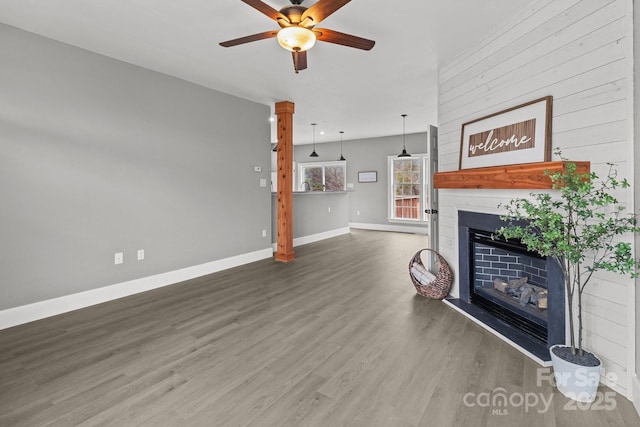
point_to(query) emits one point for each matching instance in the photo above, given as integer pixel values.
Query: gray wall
(371, 199)
(98, 156)
(315, 213)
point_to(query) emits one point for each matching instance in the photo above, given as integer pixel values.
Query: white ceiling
(362, 93)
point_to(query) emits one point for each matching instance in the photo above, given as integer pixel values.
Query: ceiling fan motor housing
(293, 13)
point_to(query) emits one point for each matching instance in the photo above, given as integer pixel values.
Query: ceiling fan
(298, 33)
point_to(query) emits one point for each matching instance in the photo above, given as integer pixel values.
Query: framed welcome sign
(521, 134)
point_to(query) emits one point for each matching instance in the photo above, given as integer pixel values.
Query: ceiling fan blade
(299, 60)
(266, 9)
(251, 38)
(321, 9)
(331, 36)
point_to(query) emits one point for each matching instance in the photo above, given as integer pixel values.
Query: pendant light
(341, 156)
(314, 154)
(404, 147)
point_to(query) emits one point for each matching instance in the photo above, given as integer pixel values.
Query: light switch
(263, 182)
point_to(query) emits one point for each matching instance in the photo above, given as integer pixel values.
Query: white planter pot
(577, 382)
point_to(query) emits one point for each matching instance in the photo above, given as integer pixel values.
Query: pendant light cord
(404, 133)
(314, 154)
(314, 136)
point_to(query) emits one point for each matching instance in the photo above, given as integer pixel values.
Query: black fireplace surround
(483, 259)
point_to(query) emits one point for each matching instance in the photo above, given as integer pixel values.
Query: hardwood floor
(336, 338)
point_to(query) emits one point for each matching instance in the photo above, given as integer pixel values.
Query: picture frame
(517, 135)
(368, 176)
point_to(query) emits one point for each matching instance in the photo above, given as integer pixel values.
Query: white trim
(385, 227)
(316, 237)
(39, 310)
(635, 392)
(407, 221)
(320, 236)
(615, 386)
(632, 355)
(425, 170)
(508, 341)
(323, 165)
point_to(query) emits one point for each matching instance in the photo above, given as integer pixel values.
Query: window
(408, 188)
(322, 176)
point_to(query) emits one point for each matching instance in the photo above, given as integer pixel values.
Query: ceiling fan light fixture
(295, 38)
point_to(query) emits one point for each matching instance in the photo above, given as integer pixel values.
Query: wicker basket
(441, 285)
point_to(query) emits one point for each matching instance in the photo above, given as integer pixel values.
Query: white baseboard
(635, 392)
(321, 236)
(316, 237)
(389, 227)
(42, 309)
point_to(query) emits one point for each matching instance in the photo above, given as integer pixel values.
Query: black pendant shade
(404, 147)
(341, 156)
(313, 153)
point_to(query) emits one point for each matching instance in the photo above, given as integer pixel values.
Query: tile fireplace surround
(511, 327)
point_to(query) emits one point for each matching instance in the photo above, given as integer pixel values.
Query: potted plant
(581, 226)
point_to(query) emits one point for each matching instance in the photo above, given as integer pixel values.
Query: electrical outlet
(357, 213)
(329, 209)
(140, 254)
(118, 258)
(264, 233)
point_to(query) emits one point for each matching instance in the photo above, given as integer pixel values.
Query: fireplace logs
(524, 292)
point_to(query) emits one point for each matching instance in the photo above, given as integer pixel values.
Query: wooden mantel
(524, 176)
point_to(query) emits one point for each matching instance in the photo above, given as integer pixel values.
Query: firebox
(509, 282)
(514, 292)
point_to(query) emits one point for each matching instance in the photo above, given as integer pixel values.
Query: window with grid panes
(407, 189)
(322, 176)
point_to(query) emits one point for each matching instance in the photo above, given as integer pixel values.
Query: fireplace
(514, 292)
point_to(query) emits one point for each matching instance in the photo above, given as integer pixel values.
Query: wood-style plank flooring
(336, 338)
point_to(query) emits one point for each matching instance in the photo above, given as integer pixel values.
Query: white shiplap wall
(579, 53)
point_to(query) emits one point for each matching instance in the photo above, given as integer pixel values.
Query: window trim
(323, 165)
(424, 187)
